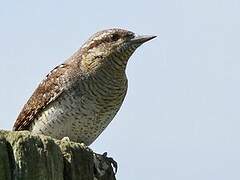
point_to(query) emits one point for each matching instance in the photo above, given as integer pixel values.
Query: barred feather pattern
(79, 98)
(84, 109)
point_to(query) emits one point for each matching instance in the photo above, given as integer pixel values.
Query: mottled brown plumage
(80, 97)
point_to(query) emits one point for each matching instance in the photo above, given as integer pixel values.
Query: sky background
(180, 119)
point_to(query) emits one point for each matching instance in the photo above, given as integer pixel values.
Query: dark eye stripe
(104, 40)
(108, 38)
(115, 37)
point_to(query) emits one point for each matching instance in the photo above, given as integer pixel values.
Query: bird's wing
(47, 91)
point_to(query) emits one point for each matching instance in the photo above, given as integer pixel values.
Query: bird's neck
(117, 61)
(114, 71)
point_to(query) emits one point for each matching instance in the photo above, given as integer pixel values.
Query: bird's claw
(111, 161)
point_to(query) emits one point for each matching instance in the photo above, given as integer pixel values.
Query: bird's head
(111, 47)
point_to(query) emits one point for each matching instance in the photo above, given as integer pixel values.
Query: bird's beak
(141, 39)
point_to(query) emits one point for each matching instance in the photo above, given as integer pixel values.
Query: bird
(80, 97)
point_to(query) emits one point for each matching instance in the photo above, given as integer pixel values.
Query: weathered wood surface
(24, 156)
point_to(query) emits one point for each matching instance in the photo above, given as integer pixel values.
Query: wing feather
(47, 91)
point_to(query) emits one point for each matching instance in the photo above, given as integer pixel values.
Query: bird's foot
(104, 166)
(111, 161)
(84, 146)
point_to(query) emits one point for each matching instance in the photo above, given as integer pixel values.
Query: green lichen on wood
(75, 154)
(24, 156)
(5, 166)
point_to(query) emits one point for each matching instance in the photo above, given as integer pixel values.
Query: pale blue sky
(180, 119)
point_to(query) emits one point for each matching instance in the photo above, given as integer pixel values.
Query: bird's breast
(84, 110)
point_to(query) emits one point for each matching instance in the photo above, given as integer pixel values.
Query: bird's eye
(114, 37)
